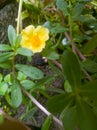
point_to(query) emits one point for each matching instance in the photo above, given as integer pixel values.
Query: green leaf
(69, 118)
(3, 88)
(16, 95)
(89, 89)
(1, 77)
(1, 118)
(77, 10)
(57, 103)
(25, 14)
(27, 84)
(18, 40)
(90, 66)
(55, 27)
(32, 8)
(30, 71)
(61, 5)
(5, 56)
(50, 54)
(71, 69)
(28, 115)
(7, 78)
(67, 86)
(24, 51)
(4, 47)
(90, 45)
(89, 92)
(8, 98)
(6, 64)
(47, 123)
(21, 76)
(11, 35)
(86, 118)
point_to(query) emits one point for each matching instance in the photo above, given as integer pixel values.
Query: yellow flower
(34, 38)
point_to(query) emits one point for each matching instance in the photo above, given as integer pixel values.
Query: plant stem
(19, 16)
(41, 107)
(82, 57)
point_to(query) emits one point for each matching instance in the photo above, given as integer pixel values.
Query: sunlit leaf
(24, 51)
(4, 47)
(11, 35)
(3, 88)
(27, 84)
(18, 40)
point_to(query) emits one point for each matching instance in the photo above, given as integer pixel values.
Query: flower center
(36, 42)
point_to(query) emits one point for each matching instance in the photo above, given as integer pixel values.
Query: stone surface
(8, 16)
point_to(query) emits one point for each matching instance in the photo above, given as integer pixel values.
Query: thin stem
(57, 64)
(88, 76)
(19, 16)
(41, 107)
(82, 57)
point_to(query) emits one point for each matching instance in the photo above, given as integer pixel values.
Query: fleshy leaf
(30, 71)
(5, 56)
(27, 84)
(4, 47)
(3, 88)
(11, 35)
(16, 95)
(24, 51)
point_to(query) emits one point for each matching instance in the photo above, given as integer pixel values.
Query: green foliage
(90, 46)
(81, 98)
(47, 123)
(11, 35)
(69, 117)
(83, 110)
(57, 103)
(5, 47)
(75, 63)
(30, 71)
(22, 50)
(62, 5)
(71, 69)
(3, 88)
(16, 95)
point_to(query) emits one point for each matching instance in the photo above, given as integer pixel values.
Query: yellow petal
(34, 38)
(42, 32)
